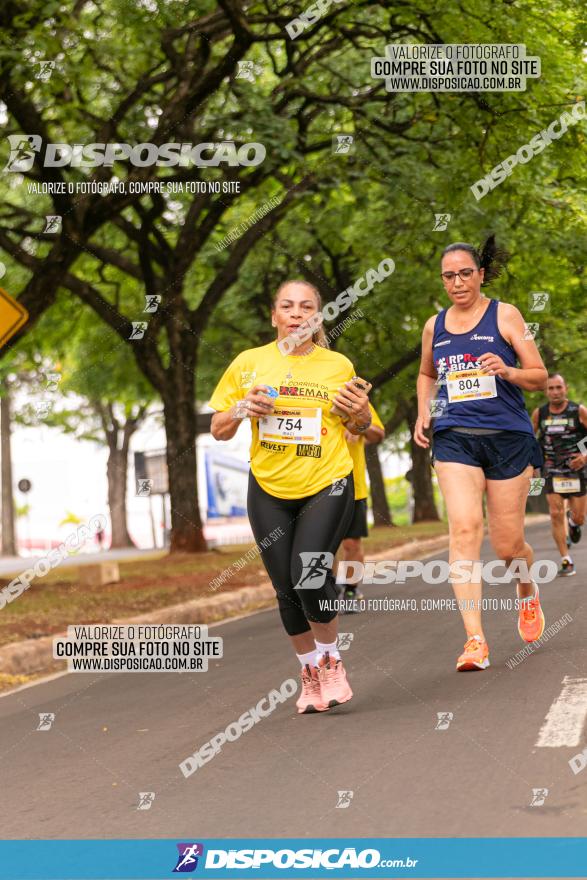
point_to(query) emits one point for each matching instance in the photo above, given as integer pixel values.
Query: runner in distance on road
(561, 424)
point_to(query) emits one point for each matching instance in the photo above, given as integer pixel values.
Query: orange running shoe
(334, 686)
(531, 618)
(475, 655)
(310, 699)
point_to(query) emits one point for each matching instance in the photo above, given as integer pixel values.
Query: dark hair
(554, 375)
(488, 256)
(319, 336)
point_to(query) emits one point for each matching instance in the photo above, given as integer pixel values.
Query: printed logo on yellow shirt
(301, 391)
(311, 450)
(273, 447)
(247, 378)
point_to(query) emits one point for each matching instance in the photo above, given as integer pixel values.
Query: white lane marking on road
(564, 722)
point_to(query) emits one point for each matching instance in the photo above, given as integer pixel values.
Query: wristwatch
(362, 428)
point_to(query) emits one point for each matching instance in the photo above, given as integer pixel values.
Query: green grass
(150, 583)
(384, 537)
(396, 490)
(146, 583)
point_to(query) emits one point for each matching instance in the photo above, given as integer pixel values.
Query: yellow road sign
(12, 317)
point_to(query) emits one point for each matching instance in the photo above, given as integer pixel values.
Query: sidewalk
(218, 532)
(36, 655)
(13, 565)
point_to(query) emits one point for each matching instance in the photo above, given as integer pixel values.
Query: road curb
(34, 655)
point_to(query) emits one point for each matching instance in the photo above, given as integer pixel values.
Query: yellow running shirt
(357, 451)
(300, 448)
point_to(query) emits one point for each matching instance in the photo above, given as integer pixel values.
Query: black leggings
(312, 526)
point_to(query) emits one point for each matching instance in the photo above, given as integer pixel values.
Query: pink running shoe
(333, 682)
(310, 699)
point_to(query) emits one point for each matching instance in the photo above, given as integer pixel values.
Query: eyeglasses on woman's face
(463, 274)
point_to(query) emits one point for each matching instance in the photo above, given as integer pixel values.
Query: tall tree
(381, 511)
(182, 81)
(83, 381)
(8, 528)
(424, 504)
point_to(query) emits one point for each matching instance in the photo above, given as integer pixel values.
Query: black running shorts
(358, 527)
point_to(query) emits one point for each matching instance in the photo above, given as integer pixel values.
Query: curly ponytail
(492, 258)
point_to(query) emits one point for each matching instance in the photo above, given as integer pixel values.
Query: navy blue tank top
(459, 351)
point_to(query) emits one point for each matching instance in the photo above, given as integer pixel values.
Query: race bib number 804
(292, 425)
(469, 385)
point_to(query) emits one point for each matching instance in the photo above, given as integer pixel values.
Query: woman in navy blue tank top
(478, 356)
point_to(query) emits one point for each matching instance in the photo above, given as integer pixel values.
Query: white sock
(323, 648)
(568, 558)
(571, 520)
(311, 658)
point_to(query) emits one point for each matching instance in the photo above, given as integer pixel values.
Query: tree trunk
(116, 470)
(537, 503)
(118, 438)
(424, 505)
(187, 534)
(8, 531)
(381, 512)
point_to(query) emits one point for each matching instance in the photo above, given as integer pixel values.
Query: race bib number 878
(469, 385)
(569, 484)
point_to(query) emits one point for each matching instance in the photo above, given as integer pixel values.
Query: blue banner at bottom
(361, 857)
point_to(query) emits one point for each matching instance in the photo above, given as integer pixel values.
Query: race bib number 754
(469, 385)
(292, 425)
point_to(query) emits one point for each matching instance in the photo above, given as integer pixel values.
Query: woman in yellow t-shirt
(301, 490)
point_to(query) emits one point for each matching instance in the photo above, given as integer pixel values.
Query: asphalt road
(116, 735)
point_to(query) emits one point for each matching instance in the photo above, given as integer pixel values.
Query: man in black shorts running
(560, 425)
